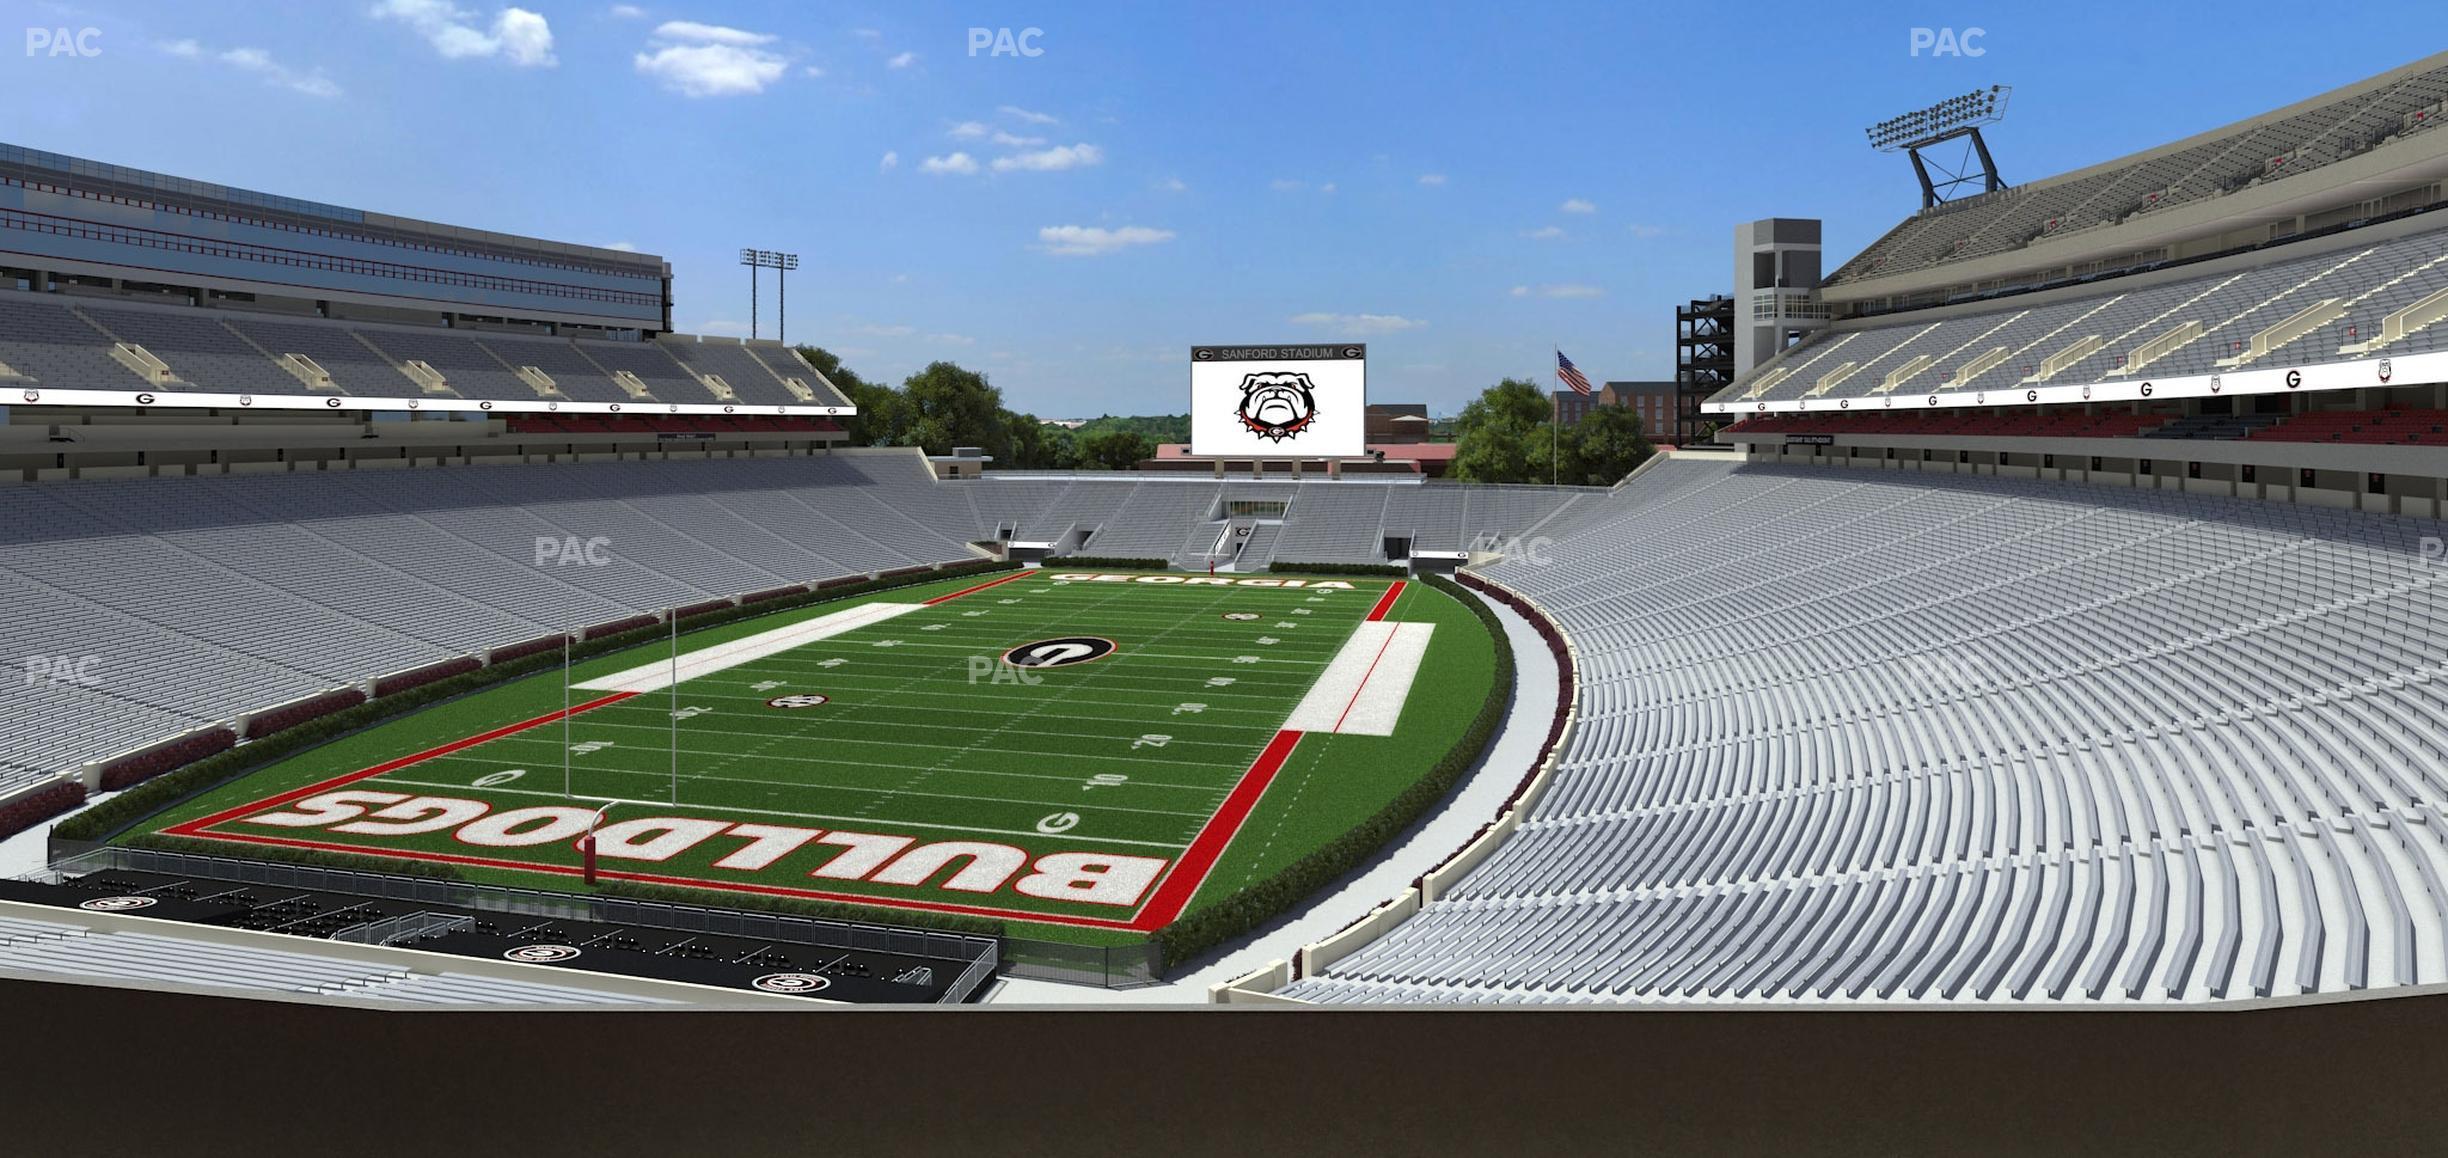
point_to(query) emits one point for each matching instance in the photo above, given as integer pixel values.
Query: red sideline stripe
(1385, 603)
(976, 589)
(193, 827)
(1182, 881)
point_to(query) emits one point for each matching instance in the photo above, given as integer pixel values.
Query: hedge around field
(112, 817)
(1111, 562)
(308, 857)
(1292, 568)
(1254, 905)
(801, 907)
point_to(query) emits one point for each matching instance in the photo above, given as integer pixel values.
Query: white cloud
(867, 33)
(1544, 233)
(628, 12)
(1432, 178)
(185, 48)
(812, 72)
(966, 131)
(892, 160)
(958, 165)
(1577, 205)
(1286, 185)
(1359, 325)
(623, 246)
(952, 339)
(1328, 187)
(709, 60)
(516, 35)
(893, 331)
(1011, 141)
(1521, 291)
(1173, 185)
(1025, 115)
(1096, 240)
(258, 63)
(1053, 160)
(691, 30)
(903, 60)
(1645, 232)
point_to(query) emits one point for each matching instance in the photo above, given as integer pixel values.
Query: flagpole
(1555, 412)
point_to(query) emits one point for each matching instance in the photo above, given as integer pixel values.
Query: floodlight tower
(781, 264)
(1956, 118)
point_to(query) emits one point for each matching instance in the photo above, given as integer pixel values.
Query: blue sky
(1460, 186)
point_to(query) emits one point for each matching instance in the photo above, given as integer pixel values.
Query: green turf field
(929, 753)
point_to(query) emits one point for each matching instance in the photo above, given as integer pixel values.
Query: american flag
(1571, 374)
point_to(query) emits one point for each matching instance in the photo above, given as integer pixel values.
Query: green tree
(880, 416)
(1115, 450)
(1035, 445)
(948, 406)
(1502, 435)
(1602, 448)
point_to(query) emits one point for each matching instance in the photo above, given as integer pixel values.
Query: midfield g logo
(1277, 406)
(1059, 652)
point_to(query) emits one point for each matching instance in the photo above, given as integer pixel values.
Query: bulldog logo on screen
(1276, 406)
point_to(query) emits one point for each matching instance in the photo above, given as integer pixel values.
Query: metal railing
(398, 929)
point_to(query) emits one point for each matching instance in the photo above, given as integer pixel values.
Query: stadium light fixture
(1949, 119)
(781, 264)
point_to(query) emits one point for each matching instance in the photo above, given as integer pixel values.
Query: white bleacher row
(65, 342)
(1964, 740)
(144, 608)
(50, 947)
(2263, 151)
(2137, 333)
(1323, 522)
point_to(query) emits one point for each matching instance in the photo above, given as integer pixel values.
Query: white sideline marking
(654, 677)
(1361, 693)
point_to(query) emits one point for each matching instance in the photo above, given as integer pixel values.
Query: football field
(1079, 749)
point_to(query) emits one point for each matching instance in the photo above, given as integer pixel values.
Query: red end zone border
(1171, 894)
(1385, 602)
